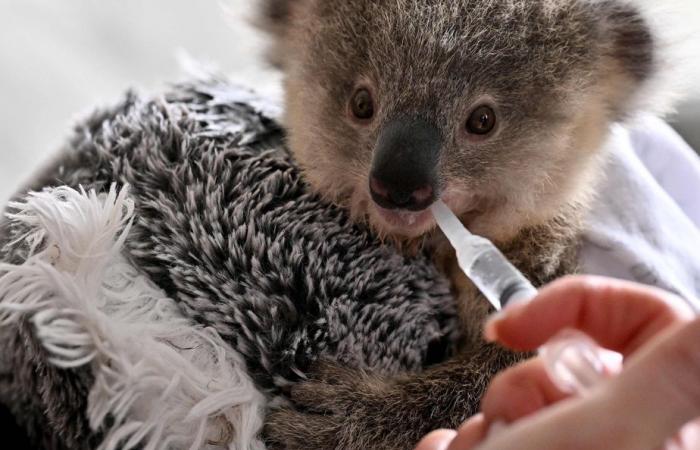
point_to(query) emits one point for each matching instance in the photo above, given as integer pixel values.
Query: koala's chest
(472, 307)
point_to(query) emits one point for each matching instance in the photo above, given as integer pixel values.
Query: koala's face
(497, 107)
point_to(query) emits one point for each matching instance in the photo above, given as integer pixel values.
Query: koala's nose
(391, 198)
(405, 166)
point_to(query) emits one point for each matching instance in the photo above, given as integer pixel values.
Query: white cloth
(644, 224)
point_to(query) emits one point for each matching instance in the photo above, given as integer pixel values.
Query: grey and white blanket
(170, 275)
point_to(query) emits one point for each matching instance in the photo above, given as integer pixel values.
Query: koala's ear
(276, 19)
(276, 13)
(630, 57)
(631, 41)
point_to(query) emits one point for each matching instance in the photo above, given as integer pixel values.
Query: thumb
(650, 401)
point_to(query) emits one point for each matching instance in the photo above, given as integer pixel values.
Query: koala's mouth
(405, 219)
(407, 223)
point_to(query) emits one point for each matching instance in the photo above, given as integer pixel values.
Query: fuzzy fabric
(172, 275)
(159, 379)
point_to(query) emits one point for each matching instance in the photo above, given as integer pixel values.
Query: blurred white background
(61, 58)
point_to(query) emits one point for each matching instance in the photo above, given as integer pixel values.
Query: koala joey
(500, 108)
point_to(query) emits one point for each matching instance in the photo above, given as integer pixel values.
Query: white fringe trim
(160, 381)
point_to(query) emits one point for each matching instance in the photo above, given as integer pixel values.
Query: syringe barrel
(572, 360)
(492, 273)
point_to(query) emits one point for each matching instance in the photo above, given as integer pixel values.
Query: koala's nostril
(381, 194)
(424, 195)
(377, 187)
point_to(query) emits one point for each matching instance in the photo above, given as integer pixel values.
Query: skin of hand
(656, 395)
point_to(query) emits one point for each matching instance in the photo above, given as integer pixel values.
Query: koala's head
(497, 107)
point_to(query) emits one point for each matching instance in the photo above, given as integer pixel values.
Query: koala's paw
(291, 430)
(339, 409)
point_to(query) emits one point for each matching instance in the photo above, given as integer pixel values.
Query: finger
(574, 424)
(688, 438)
(650, 401)
(619, 315)
(437, 440)
(519, 392)
(470, 434)
(659, 385)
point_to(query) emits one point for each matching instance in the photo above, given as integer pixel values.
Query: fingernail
(519, 299)
(496, 428)
(490, 333)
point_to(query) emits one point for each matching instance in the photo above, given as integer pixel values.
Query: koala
(499, 108)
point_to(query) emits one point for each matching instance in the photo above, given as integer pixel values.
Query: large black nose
(405, 167)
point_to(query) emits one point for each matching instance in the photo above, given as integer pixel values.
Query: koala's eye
(481, 121)
(362, 105)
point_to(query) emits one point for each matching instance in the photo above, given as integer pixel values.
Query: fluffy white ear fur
(677, 42)
(165, 382)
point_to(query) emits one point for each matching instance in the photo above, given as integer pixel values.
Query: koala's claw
(334, 410)
(334, 390)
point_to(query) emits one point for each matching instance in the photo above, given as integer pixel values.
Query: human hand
(656, 394)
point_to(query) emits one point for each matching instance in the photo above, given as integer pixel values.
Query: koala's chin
(401, 224)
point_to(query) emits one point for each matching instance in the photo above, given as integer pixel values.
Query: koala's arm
(349, 409)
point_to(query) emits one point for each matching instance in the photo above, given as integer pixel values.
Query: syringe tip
(449, 223)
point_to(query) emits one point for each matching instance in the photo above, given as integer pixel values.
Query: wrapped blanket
(170, 275)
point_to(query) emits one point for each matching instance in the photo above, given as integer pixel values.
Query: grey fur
(228, 228)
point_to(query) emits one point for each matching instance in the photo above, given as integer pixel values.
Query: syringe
(573, 360)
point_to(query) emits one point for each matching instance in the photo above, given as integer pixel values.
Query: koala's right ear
(275, 18)
(276, 13)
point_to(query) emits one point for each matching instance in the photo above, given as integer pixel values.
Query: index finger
(619, 315)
